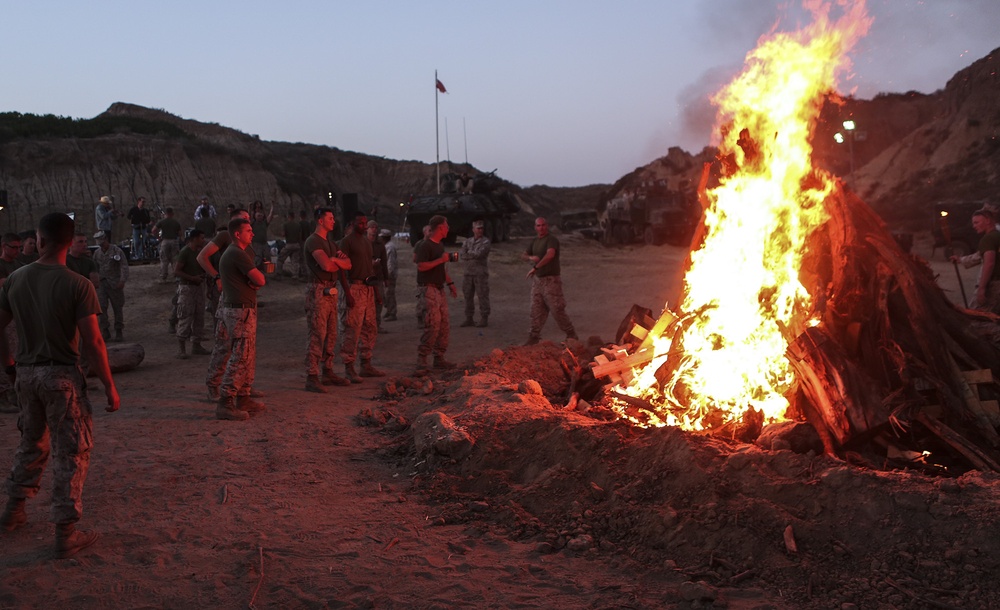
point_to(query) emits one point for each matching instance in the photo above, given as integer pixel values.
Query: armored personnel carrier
(487, 198)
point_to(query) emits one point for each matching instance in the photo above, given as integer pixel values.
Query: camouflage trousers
(190, 311)
(474, 284)
(241, 326)
(437, 327)
(8, 398)
(360, 329)
(390, 298)
(55, 418)
(169, 249)
(547, 296)
(421, 306)
(293, 251)
(109, 293)
(379, 303)
(321, 318)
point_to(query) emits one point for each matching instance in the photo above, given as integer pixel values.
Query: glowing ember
(743, 301)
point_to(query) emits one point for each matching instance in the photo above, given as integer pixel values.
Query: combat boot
(351, 374)
(118, 338)
(313, 385)
(367, 370)
(213, 392)
(182, 349)
(483, 322)
(441, 363)
(468, 322)
(248, 404)
(227, 410)
(69, 540)
(422, 368)
(14, 515)
(198, 350)
(329, 378)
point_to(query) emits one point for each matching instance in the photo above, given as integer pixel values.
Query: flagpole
(437, 137)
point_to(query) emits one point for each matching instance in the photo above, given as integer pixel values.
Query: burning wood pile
(797, 303)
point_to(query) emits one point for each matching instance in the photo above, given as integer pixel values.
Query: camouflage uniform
(220, 352)
(112, 266)
(359, 324)
(55, 415)
(241, 327)
(476, 280)
(321, 317)
(170, 232)
(546, 296)
(190, 311)
(437, 328)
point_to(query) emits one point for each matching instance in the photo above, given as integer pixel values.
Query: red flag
(440, 86)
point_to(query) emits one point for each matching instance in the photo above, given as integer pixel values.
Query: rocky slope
(175, 166)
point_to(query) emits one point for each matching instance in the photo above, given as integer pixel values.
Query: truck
(489, 201)
(652, 214)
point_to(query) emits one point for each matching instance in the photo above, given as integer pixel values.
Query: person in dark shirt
(139, 217)
(432, 277)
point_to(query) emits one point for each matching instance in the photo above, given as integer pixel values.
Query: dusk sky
(563, 93)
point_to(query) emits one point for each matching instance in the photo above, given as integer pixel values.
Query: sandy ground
(323, 502)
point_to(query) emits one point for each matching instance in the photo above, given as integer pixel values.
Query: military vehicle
(489, 201)
(653, 214)
(586, 222)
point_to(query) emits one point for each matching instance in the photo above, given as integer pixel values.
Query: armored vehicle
(486, 198)
(654, 215)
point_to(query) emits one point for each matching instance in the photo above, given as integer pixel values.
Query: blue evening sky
(554, 92)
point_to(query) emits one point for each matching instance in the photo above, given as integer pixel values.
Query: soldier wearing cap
(476, 281)
(112, 267)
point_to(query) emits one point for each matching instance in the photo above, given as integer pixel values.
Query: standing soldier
(205, 223)
(360, 329)
(432, 277)
(190, 297)
(55, 311)
(169, 232)
(238, 310)
(112, 265)
(293, 247)
(324, 260)
(392, 266)
(208, 260)
(380, 263)
(9, 262)
(476, 281)
(546, 286)
(78, 259)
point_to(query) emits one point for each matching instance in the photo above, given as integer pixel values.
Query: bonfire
(796, 302)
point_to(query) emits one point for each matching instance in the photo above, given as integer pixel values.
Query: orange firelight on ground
(743, 301)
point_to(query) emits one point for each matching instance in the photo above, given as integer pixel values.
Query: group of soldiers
(54, 299)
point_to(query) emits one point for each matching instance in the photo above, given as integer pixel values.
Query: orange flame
(743, 301)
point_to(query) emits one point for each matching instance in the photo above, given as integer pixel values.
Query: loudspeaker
(349, 204)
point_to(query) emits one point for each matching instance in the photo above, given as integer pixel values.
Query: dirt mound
(810, 530)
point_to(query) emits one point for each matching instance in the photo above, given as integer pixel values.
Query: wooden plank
(639, 331)
(977, 458)
(622, 364)
(980, 376)
(666, 319)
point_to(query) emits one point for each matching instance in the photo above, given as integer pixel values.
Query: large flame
(743, 301)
